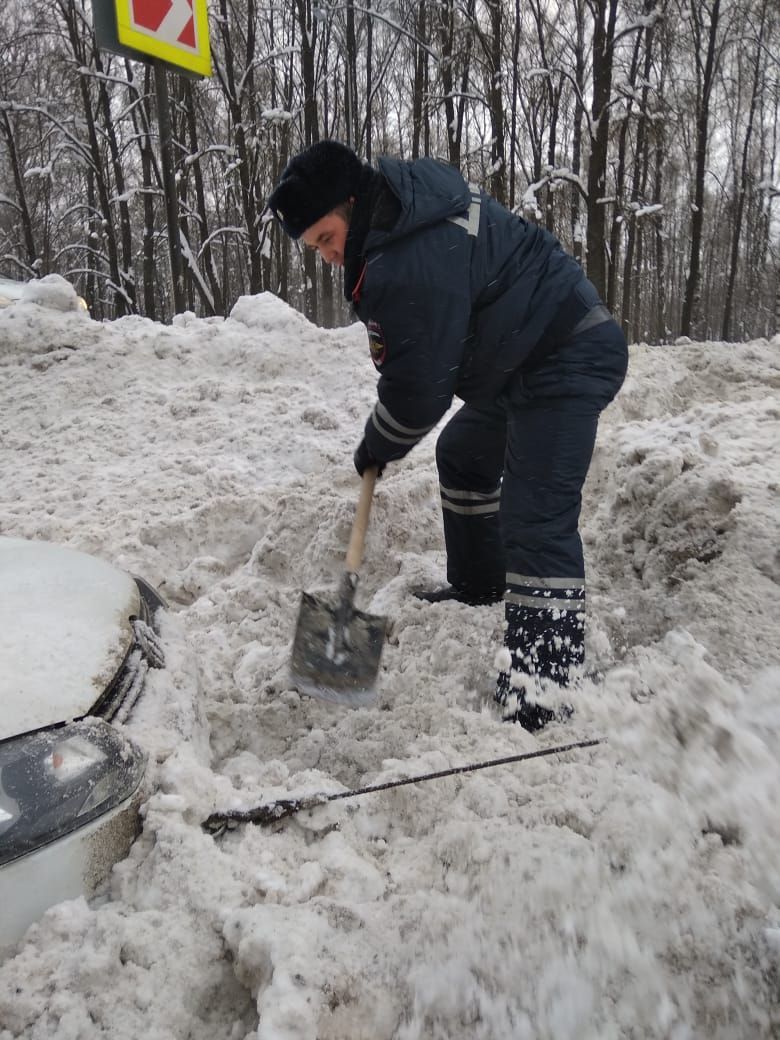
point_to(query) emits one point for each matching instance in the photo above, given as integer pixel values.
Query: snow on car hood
(64, 632)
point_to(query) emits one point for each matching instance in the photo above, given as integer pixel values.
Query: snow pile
(631, 889)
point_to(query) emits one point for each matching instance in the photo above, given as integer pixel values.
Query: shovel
(336, 649)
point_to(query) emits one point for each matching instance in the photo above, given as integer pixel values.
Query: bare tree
(604, 15)
(236, 77)
(706, 52)
(455, 45)
(635, 212)
(528, 99)
(421, 130)
(741, 170)
(28, 258)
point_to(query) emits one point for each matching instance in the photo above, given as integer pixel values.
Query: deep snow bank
(630, 890)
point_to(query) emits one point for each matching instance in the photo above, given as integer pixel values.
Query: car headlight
(57, 780)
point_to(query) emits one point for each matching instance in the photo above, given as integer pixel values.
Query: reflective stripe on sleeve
(470, 222)
(394, 431)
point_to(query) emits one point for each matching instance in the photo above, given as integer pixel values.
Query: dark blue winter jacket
(457, 295)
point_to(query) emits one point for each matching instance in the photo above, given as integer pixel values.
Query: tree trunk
(93, 294)
(447, 48)
(741, 180)
(553, 95)
(579, 114)
(246, 164)
(639, 177)
(71, 17)
(420, 62)
(604, 14)
(619, 208)
(151, 182)
(496, 105)
(21, 195)
(125, 231)
(351, 101)
(705, 83)
(310, 135)
(368, 126)
(513, 106)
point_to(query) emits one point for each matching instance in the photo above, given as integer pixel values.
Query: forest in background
(643, 133)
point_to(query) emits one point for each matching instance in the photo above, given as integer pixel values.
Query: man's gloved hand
(363, 459)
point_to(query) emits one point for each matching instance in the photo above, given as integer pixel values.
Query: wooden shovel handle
(360, 523)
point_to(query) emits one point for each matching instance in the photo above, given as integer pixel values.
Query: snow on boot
(515, 696)
(541, 648)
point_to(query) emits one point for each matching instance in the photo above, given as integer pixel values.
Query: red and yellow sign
(176, 31)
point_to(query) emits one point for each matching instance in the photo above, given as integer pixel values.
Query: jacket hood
(429, 191)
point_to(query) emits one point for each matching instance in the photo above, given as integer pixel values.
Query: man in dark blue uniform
(462, 298)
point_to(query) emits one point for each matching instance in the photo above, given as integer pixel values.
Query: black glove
(363, 459)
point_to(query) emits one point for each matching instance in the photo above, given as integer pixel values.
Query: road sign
(175, 31)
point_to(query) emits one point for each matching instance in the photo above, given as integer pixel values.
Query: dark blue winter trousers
(511, 475)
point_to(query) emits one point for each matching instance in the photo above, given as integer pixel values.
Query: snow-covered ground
(630, 890)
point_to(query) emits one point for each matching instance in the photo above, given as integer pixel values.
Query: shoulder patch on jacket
(376, 342)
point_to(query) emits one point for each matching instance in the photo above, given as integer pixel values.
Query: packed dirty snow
(631, 889)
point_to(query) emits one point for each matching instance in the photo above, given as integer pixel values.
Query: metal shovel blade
(336, 650)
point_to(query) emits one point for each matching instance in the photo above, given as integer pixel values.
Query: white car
(77, 637)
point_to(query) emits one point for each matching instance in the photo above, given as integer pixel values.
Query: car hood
(64, 632)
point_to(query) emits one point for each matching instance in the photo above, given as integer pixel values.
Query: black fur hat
(314, 182)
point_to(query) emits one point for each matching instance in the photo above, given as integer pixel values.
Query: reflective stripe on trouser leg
(545, 643)
(470, 459)
(545, 625)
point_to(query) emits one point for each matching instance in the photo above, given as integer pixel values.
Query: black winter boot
(517, 706)
(545, 645)
(451, 593)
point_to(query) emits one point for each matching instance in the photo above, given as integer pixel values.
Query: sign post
(169, 186)
(168, 34)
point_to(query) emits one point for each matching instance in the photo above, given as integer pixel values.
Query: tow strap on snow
(218, 822)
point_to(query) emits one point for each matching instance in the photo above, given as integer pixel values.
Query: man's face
(329, 236)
